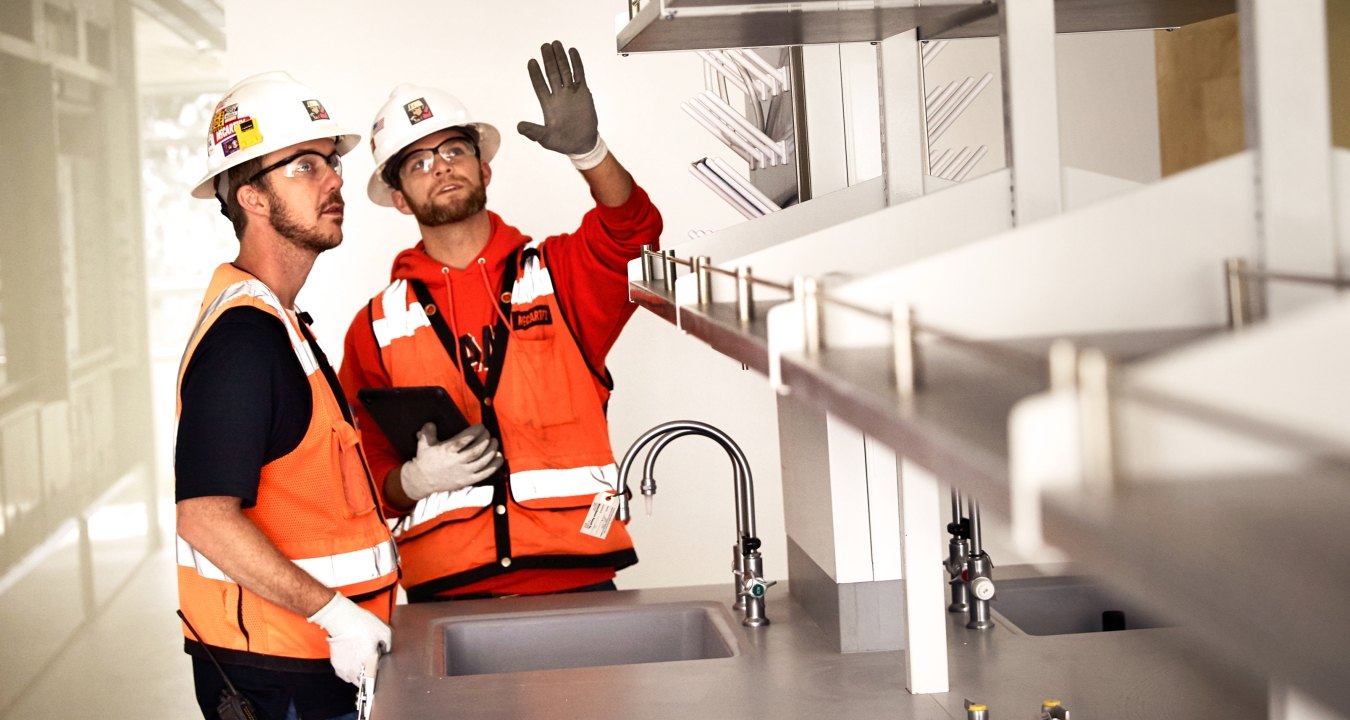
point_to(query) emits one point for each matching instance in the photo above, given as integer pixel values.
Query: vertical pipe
(1097, 411)
(745, 300)
(703, 278)
(1063, 364)
(906, 352)
(1238, 293)
(669, 275)
(976, 535)
(806, 290)
(647, 270)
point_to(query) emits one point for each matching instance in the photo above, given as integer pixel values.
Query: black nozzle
(1113, 620)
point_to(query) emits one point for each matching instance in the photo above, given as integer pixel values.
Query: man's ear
(400, 202)
(487, 172)
(252, 200)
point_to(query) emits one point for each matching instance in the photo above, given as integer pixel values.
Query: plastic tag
(601, 515)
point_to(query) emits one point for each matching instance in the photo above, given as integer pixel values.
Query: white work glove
(355, 637)
(467, 458)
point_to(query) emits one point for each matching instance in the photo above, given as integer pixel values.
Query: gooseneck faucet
(747, 564)
(958, 554)
(979, 574)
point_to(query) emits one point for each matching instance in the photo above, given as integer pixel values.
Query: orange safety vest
(545, 405)
(316, 504)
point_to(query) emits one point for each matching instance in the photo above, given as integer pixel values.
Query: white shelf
(1254, 565)
(667, 25)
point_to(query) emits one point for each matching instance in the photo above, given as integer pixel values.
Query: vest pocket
(356, 483)
(538, 392)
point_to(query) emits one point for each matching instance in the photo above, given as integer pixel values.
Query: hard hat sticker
(228, 130)
(316, 110)
(374, 129)
(417, 110)
(231, 145)
(249, 133)
(224, 114)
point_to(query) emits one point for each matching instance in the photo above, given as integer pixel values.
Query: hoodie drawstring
(487, 285)
(450, 314)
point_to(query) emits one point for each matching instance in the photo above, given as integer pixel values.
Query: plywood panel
(1338, 40)
(1199, 93)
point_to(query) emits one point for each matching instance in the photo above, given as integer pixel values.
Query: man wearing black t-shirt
(286, 568)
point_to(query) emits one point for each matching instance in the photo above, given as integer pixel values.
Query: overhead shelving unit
(666, 25)
(927, 323)
(956, 424)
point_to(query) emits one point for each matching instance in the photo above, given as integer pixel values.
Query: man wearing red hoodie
(516, 330)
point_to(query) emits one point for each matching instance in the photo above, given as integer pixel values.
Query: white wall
(1108, 102)
(353, 53)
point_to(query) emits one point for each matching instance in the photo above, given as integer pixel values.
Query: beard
(312, 236)
(448, 211)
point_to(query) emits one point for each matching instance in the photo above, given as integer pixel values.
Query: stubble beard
(309, 237)
(434, 214)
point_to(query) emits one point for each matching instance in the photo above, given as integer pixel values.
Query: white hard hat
(260, 114)
(411, 113)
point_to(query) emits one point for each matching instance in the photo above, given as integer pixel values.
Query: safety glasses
(421, 162)
(305, 165)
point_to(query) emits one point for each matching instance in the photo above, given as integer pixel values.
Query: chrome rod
(745, 295)
(1238, 293)
(703, 279)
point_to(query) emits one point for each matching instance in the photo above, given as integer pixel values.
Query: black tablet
(402, 411)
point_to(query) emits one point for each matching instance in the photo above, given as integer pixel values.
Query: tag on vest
(601, 515)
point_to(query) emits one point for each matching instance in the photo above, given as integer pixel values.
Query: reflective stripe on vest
(333, 571)
(402, 315)
(526, 485)
(256, 289)
(435, 504)
(529, 485)
(533, 282)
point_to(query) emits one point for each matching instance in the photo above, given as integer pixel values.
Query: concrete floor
(124, 661)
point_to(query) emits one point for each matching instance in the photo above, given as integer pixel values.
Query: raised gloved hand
(570, 124)
(467, 458)
(355, 637)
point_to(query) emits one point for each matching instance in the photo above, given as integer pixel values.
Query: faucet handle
(756, 587)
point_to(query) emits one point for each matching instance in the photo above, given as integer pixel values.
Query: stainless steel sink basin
(1068, 604)
(546, 640)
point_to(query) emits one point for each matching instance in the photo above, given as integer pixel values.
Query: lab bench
(789, 669)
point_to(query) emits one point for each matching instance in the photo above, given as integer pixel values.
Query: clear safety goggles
(307, 165)
(421, 162)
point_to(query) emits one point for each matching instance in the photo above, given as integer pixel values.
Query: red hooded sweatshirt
(590, 275)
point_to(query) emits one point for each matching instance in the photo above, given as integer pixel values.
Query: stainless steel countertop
(787, 670)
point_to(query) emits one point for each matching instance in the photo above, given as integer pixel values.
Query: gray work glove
(570, 124)
(467, 458)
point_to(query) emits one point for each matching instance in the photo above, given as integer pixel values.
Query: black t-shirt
(246, 402)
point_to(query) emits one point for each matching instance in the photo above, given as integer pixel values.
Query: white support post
(1031, 107)
(1288, 122)
(903, 128)
(823, 100)
(921, 554)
